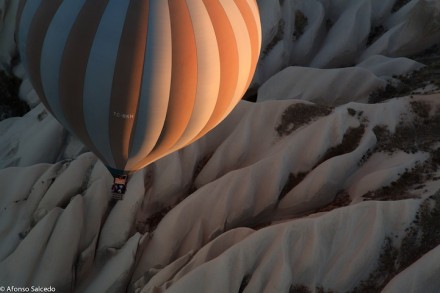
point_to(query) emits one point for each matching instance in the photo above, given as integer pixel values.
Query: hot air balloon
(135, 80)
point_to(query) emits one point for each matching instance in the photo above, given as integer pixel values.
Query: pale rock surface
(346, 37)
(323, 86)
(283, 193)
(274, 258)
(215, 217)
(422, 276)
(414, 27)
(338, 33)
(386, 67)
(24, 141)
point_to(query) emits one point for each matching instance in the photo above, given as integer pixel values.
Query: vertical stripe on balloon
(156, 81)
(229, 59)
(73, 71)
(99, 77)
(37, 32)
(244, 48)
(52, 54)
(183, 77)
(20, 9)
(127, 79)
(254, 8)
(252, 27)
(27, 16)
(208, 71)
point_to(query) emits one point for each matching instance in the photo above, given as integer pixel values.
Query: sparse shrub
(292, 181)
(420, 237)
(301, 22)
(198, 168)
(424, 233)
(328, 24)
(153, 221)
(244, 282)
(398, 189)
(385, 269)
(342, 199)
(278, 36)
(390, 91)
(375, 34)
(351, 111)
(298, 288)
(349, 143)
(42, 115)
(320, 289)
(408, 83)
(399, 4)
(299, 114)
(421, 109)
(420, 135)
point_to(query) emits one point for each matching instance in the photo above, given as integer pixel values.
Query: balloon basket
(119, 187)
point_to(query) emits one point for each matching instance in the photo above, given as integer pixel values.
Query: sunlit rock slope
(329, 183)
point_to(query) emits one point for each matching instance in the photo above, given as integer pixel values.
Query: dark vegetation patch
(351, 111)
(420, 237)
(299, 114)
(375, 33)
(429, 56)
(384, 271)
(399, 4)
(422, 134)
(86, 180)
(406, 84)
(341, 199)
(42, 115)
(279, 34)
(424, 233)
(257, 225)
(301, 21)
(10, 104)
(390, 91)
(298, 288)
(320, 289)
(292, 181)
(328, 24)
(399, 189)
(244, 283)
(358, 114)
(198, 168)
(150, 224)
(349, 143)
(421, 109)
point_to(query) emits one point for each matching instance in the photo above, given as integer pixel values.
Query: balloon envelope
(136, 79)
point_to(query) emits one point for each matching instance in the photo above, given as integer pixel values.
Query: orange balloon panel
(136, 79)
